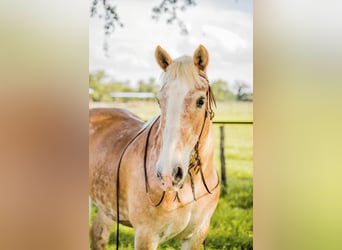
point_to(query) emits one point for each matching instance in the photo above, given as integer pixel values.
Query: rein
(195, 163)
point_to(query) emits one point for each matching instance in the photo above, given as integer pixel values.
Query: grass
(232, 223)
(232, 111)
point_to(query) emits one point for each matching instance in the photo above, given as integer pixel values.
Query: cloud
(228, 40)
(226, 33)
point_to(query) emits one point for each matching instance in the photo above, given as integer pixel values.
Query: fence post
(223, 163)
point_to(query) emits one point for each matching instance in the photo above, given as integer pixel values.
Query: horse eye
(200, 102)
(158, 102)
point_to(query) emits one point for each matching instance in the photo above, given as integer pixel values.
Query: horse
(157, 177)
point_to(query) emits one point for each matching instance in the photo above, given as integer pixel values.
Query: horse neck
(206, 145)
(157, 136)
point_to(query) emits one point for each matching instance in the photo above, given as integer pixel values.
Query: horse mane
(184, 70)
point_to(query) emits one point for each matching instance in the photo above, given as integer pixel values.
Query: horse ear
(162, 57)
(201, 58)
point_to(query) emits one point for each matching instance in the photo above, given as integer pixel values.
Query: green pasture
(232, 223)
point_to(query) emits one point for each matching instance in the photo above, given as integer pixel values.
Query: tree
(221, 91)
(102, 90)
(171, 8)
(243, 91)
(106, 10)
(150, 86)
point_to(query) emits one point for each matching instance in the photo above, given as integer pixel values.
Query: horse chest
(181, 227)
(174, 225)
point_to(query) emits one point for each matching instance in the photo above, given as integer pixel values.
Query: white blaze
(170, 156)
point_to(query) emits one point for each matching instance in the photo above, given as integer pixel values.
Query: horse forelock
(183, 70)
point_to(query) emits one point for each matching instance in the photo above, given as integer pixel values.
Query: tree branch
(106, 10)
(170, 8)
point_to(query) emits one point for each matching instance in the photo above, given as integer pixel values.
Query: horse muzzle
(171, 181)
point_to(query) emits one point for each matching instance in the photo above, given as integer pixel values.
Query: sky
(224, 27)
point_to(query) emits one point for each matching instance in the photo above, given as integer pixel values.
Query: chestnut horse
(157, 177)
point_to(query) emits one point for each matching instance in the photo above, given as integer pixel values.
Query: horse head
(184, 100)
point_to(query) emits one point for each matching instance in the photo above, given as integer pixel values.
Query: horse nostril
(177, 174)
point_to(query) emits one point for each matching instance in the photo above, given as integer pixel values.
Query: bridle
(195, 164)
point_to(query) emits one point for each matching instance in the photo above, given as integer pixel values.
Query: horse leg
(144, 239)
(100, 231)
(196, 239)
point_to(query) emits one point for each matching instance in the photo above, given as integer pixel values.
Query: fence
(222, 158)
